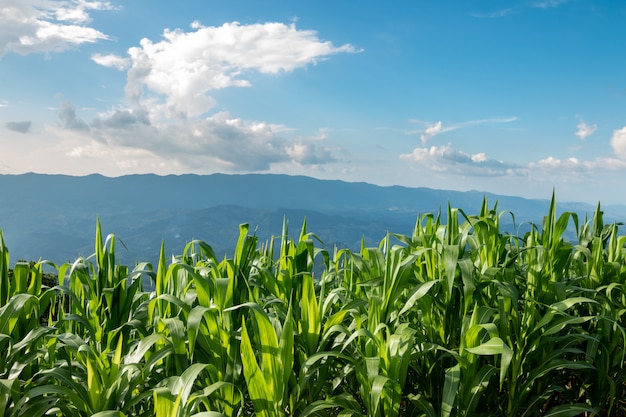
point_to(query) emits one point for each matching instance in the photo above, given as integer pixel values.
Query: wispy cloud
(434, 129)
(495, 15)
(583, 130)
(548, 4)
(28, 26)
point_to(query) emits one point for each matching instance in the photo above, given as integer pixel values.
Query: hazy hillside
(53, 216)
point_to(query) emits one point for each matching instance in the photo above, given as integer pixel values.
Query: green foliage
(456, 320)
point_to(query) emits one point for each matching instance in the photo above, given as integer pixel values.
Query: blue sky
(511, 97)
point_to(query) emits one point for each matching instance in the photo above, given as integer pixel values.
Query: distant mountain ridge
(53, 216)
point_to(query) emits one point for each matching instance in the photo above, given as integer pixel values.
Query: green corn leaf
(194, 321)
(423, 405)
(261, 394)
(495, 346)
(17, 306)
(450, 257)
(479, 384)
(286, 354)
(109, 413)
(377, 391)
(20, 277)
(310, 325)
(9, 391)
(184, 384)
(570, 410)
(450, 386)
(77, 400)
(559, 308)
(94, 383)
(139, 350)
(5, 293)
(417, 293)
(166, 404)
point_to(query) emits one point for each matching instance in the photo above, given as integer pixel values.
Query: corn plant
(458, 319)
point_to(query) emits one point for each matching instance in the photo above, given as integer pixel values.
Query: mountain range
(53, 217)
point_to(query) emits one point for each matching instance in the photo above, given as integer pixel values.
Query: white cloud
(479, 157)
(28, 26)
(434, 129)
(584, 130)
(618, 142)
(554, 163)
(545, 4)
(165, 123)
(446, 159)
(574, 167)
(575, 174)
(548, 4)
(221, 141)
(174, 76)
(111, 61)
(494, 15)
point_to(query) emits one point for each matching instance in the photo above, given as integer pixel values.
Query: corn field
(457, 319)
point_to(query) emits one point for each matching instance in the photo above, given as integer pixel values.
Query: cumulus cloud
(175, 75)
(618, 142)
(168, 92)
(584, 130)
(447, 159)
(28, 26)
(21, 127)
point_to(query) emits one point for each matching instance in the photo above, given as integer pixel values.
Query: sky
(510, 97)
